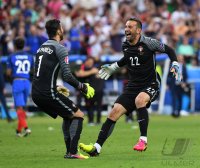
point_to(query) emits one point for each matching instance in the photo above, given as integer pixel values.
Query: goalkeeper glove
(176, 71)
(107, 70)
(87, 90)
(63, 90)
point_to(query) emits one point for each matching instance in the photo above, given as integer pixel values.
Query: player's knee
(114, 114)
(79, 114)
(140, 102)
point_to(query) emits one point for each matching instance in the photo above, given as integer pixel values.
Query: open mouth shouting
(128, 35)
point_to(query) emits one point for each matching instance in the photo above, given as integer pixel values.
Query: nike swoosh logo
(125, 49)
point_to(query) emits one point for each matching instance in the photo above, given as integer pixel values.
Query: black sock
(143, 120)
(75, 132)
(106, 131)
(65, 128)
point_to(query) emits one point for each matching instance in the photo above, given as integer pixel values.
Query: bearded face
(131, 30)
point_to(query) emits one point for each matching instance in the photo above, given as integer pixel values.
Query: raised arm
(156, 45)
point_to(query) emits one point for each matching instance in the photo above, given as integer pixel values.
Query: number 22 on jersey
(134, 61)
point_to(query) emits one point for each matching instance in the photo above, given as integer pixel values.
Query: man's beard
(132, 38)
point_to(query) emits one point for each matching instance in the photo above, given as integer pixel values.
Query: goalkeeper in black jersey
(143, 85)
(52, 99)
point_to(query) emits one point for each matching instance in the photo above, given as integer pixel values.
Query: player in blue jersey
(19, 66)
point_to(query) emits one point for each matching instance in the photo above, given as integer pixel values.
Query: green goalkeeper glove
(87, 90)
(63, 90)
(107, 70)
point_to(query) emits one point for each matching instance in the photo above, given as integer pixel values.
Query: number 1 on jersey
(39, 64)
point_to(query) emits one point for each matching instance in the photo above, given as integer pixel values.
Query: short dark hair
(19, 43)
(52, 26)
(139, 23)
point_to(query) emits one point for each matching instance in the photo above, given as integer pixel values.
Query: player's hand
(87, 90)
(176, 71)
(63, 90)
(107, 70)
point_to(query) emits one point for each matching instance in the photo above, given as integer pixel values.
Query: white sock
(144, 138)
(98, 147)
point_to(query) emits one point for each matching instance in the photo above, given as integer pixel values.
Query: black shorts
(127, 99)
(59, 105)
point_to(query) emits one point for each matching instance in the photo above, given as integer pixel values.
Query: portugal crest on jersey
(66, 60)
(141, 50)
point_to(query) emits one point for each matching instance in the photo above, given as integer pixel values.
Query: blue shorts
(21, 91)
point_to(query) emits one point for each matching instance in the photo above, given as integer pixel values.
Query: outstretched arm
(156, 45)
(108, 69)
(175, 65)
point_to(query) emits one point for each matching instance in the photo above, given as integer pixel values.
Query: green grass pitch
(171, 143)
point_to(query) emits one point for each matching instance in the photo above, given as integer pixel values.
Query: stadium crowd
(95, 27)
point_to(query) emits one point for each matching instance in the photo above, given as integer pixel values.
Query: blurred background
(95, 29)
